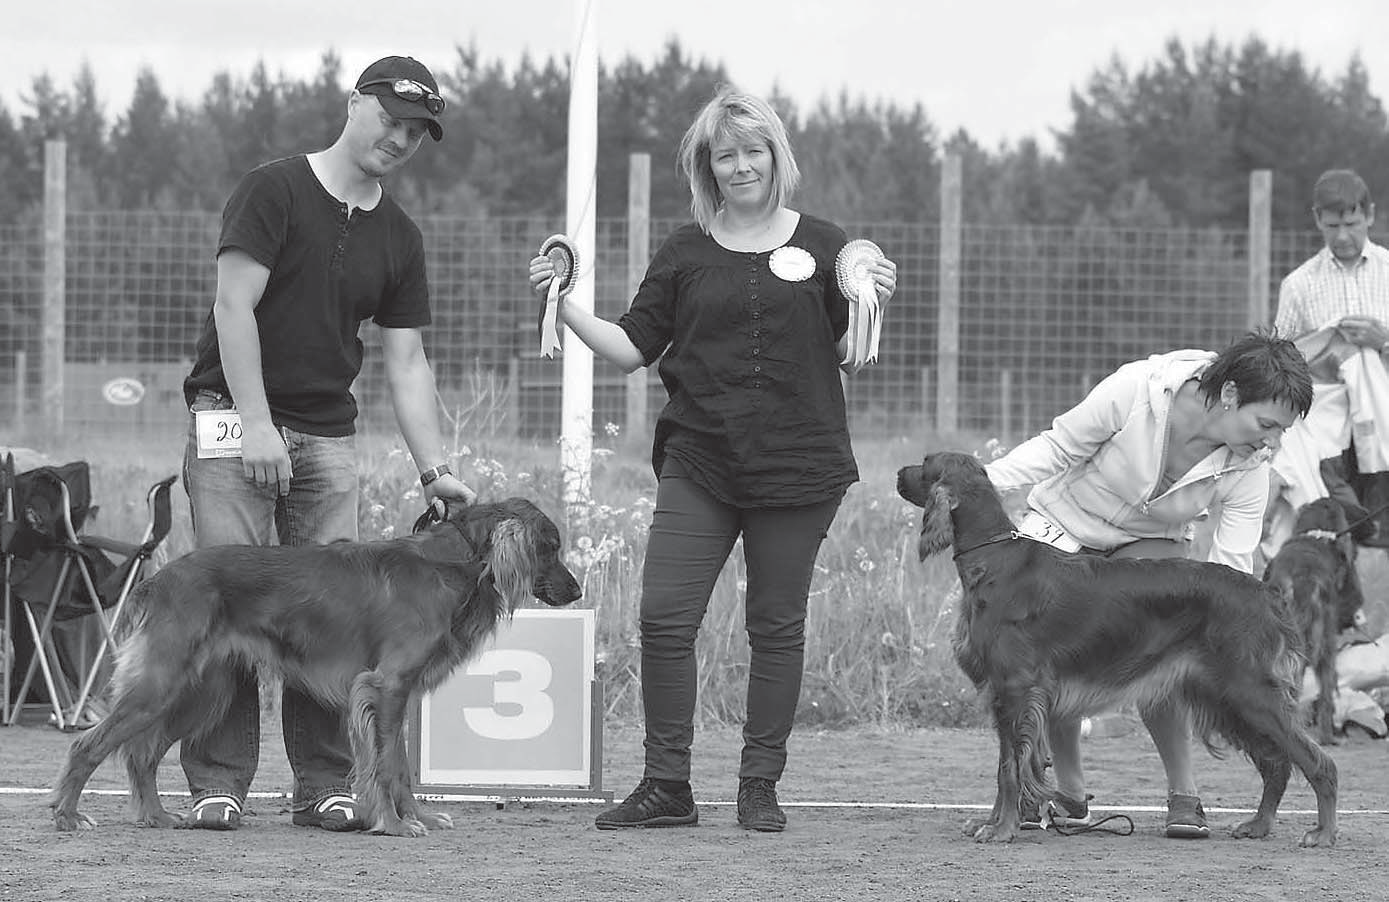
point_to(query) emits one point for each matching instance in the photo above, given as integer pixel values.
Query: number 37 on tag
(219, 433)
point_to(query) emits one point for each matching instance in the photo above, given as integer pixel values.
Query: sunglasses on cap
(410, 90)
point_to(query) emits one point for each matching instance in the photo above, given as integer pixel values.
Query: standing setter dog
(1315, 573)
(1045, 633)
(361, 626)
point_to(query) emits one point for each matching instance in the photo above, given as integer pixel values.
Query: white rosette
(853, 269)
(565, 259)
(791, 264)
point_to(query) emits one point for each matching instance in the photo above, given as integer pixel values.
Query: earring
(1227, 406)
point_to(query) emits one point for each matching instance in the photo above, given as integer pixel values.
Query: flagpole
(576, 401)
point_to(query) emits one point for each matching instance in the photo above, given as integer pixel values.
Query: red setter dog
(1044, 633)
(1315, 573)
(361, 626)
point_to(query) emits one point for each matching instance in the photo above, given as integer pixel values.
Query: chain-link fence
(1043, 313)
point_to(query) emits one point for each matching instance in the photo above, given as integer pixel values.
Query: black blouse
(756, 409)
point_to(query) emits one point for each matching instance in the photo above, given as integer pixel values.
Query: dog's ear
(937, 531)
(510, 562)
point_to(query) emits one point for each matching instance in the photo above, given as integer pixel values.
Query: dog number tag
(1036, 527)
(219, 433)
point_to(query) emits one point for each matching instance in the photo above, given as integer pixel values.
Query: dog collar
(992, 540)
(1321, 534)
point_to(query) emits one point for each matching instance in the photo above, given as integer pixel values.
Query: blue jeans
(229, 509)
(692, 534)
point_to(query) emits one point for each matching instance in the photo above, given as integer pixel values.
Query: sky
(1002, 70)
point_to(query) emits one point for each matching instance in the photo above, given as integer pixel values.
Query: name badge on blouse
(219, 433)
(1040, 529)
(792, 264)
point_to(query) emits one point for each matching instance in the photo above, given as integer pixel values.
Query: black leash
(1097, 826)
(993, 540)
(1365, 519)
(438, 512)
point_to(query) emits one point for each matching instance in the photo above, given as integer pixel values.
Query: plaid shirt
(1322, 291)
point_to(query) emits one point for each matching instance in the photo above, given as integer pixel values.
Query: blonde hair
(737, 116)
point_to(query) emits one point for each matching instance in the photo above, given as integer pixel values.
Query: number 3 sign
(521, 713)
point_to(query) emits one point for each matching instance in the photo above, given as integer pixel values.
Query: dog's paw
(436, 821)
(406, 826)
(996, 833)
(67, 823)
(1318, 837)
(974, 824)
(160, 820)
(1254, 828)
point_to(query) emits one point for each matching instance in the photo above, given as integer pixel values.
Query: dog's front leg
(1004, 822)
(975, 824)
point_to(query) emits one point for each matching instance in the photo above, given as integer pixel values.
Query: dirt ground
(873, 815)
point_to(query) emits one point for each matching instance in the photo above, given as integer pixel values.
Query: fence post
(53, 317)
(21, 390)
(1260, 242)
(1005, 406)
(638, 254)
(948, 319)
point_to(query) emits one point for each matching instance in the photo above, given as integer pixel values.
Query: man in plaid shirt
(1344, 287)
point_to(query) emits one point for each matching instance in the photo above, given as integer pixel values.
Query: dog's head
(935, 486)
(1325, 518)
(520, 546)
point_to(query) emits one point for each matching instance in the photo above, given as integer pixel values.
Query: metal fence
(1043, 312)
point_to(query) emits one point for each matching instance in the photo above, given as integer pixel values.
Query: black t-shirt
(328, 272)
(756, 410)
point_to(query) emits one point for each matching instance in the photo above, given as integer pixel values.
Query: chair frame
(67, 709)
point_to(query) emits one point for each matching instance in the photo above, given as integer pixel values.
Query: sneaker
(1064, 811)
(1186, 819)
(336, 812)
(1030, 816)
(654, 803)
(216, 813)
(757, 806)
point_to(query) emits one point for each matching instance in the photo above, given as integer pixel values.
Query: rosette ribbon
(853, 269)
(565, 259)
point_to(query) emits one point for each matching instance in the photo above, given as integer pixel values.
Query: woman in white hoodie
(1125, 473)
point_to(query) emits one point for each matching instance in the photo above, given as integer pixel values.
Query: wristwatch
(434, 473)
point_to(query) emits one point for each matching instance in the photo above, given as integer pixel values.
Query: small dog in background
(364, 627)
(1315, 573)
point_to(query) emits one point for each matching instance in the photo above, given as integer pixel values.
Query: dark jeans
(692, 534)
(229, 509)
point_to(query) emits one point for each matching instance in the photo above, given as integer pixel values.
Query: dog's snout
(909, 485)
(558, 587)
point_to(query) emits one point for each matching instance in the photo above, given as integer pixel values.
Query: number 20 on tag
(219, 433)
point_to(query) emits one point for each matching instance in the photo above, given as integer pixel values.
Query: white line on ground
(909, 806)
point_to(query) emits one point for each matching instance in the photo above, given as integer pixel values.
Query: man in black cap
(310, 247)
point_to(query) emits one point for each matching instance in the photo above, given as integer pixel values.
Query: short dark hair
(1341, 191)
(1263, 367)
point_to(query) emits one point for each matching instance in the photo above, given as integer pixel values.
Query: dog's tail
(362, 731)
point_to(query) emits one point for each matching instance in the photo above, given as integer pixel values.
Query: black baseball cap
(377, 80)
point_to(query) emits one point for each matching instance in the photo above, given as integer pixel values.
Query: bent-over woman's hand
(450, 488)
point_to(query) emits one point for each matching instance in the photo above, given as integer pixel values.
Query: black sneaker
(1186, 819)
(1030, 816)
(1065, 811)
(654, 803)
(757, 805)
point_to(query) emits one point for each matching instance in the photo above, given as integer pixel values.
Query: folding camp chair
(56, 572)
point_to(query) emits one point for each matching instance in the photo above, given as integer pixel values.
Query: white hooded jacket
(1096, 470)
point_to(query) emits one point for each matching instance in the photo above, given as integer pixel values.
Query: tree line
(1168, 143)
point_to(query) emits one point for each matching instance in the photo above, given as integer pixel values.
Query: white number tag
(1040, 529)
(219, 433)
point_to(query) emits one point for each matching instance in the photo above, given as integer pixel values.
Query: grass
(880, 621)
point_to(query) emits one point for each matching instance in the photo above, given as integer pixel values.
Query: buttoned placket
(755, 305)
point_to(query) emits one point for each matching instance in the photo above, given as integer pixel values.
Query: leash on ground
(1118, 829)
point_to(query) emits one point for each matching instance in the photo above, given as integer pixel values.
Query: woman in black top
(744, 312)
